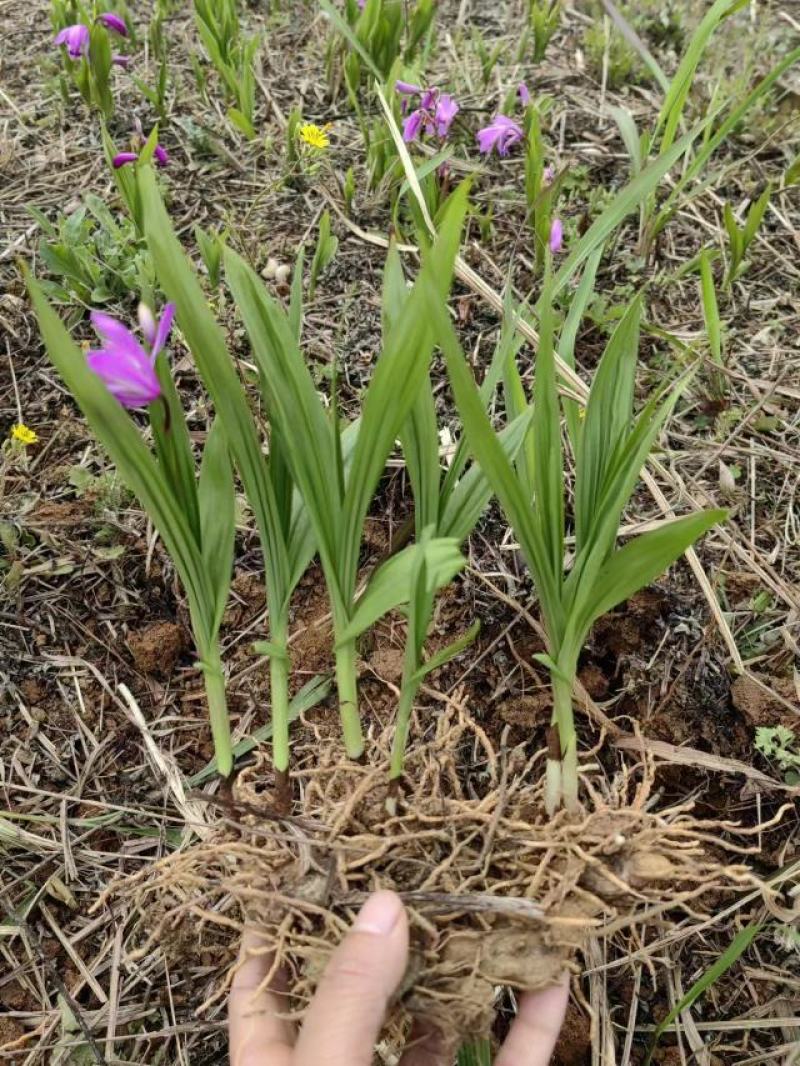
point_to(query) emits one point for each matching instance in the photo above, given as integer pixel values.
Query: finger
(425, 1047)
(535, 1029)
(346, 1013)
(258, 1035)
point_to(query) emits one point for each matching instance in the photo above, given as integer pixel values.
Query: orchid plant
(447, 506)
(192, 511)
(88, 47)
(338, 485)
(609, 447)
(233, 57)
(372, 38)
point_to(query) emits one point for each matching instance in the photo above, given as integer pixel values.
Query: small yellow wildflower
(314, 136)
(24, 435)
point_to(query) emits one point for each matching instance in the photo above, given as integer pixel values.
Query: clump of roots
(497, 894)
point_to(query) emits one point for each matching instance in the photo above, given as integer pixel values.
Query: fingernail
(379, 914)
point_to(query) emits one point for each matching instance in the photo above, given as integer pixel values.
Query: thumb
(347, 1011)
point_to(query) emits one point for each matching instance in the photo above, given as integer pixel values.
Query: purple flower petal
(556, 235)
(446, 111)
(429, 98)
(524, 94)
(122, 158)
(113, 22)
(164, 327)
(405, 88)
(161, 156)
(76, 38)
(502, 133)
(121, 61)
(130, 380)
(412, 125)
(115, 334)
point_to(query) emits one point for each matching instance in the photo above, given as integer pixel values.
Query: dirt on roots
(497, 894)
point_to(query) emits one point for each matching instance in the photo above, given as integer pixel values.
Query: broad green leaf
(294, 405)
(173, 446)
(390, 585)
(622, 474)
(609, 414)
(548, 466)
(116, 431)
(639, 562)
(217, 499)
(207, 343)
(488, 451)
(396, 382)
(471, 496)
(630, 137)
(626, 201)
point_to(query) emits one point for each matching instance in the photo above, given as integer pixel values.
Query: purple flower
(435, 113)
(125, 367)
(548, 174)
(524, 94)
(446, 111)
(556, 235)
(121, 159)
(113, 22)
(502, 133)
(76, 38)
(121, 61)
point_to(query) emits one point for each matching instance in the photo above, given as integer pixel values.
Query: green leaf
(295, 408)
(207, 343)
(173, 446)
(488, 451)
(114, 428)
(350, 37)
(672, 108)
(639, 562)
(737, 947)
(217, 501)
(391, 584)
(446, 654)
(547, 466)
(471, 496)
(609, 413)
(708, 293)
(626, 201)
(630, 137)
(395, 385)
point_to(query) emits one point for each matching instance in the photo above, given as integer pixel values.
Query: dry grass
(93, 788)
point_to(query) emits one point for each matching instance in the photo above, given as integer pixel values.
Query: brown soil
(156, 649)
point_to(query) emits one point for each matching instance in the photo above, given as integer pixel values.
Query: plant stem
(348, 698)
(564, 721)
(408, 692)
(218, 710)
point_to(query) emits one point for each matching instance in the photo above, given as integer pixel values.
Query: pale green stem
(408, 692)
(218, 710)
(279, 699)
(347, 686)
(565, 723)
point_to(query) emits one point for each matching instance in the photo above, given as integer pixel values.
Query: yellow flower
(24, 435)
(314, 136)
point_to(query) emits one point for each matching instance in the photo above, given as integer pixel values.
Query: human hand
(345, 1016)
